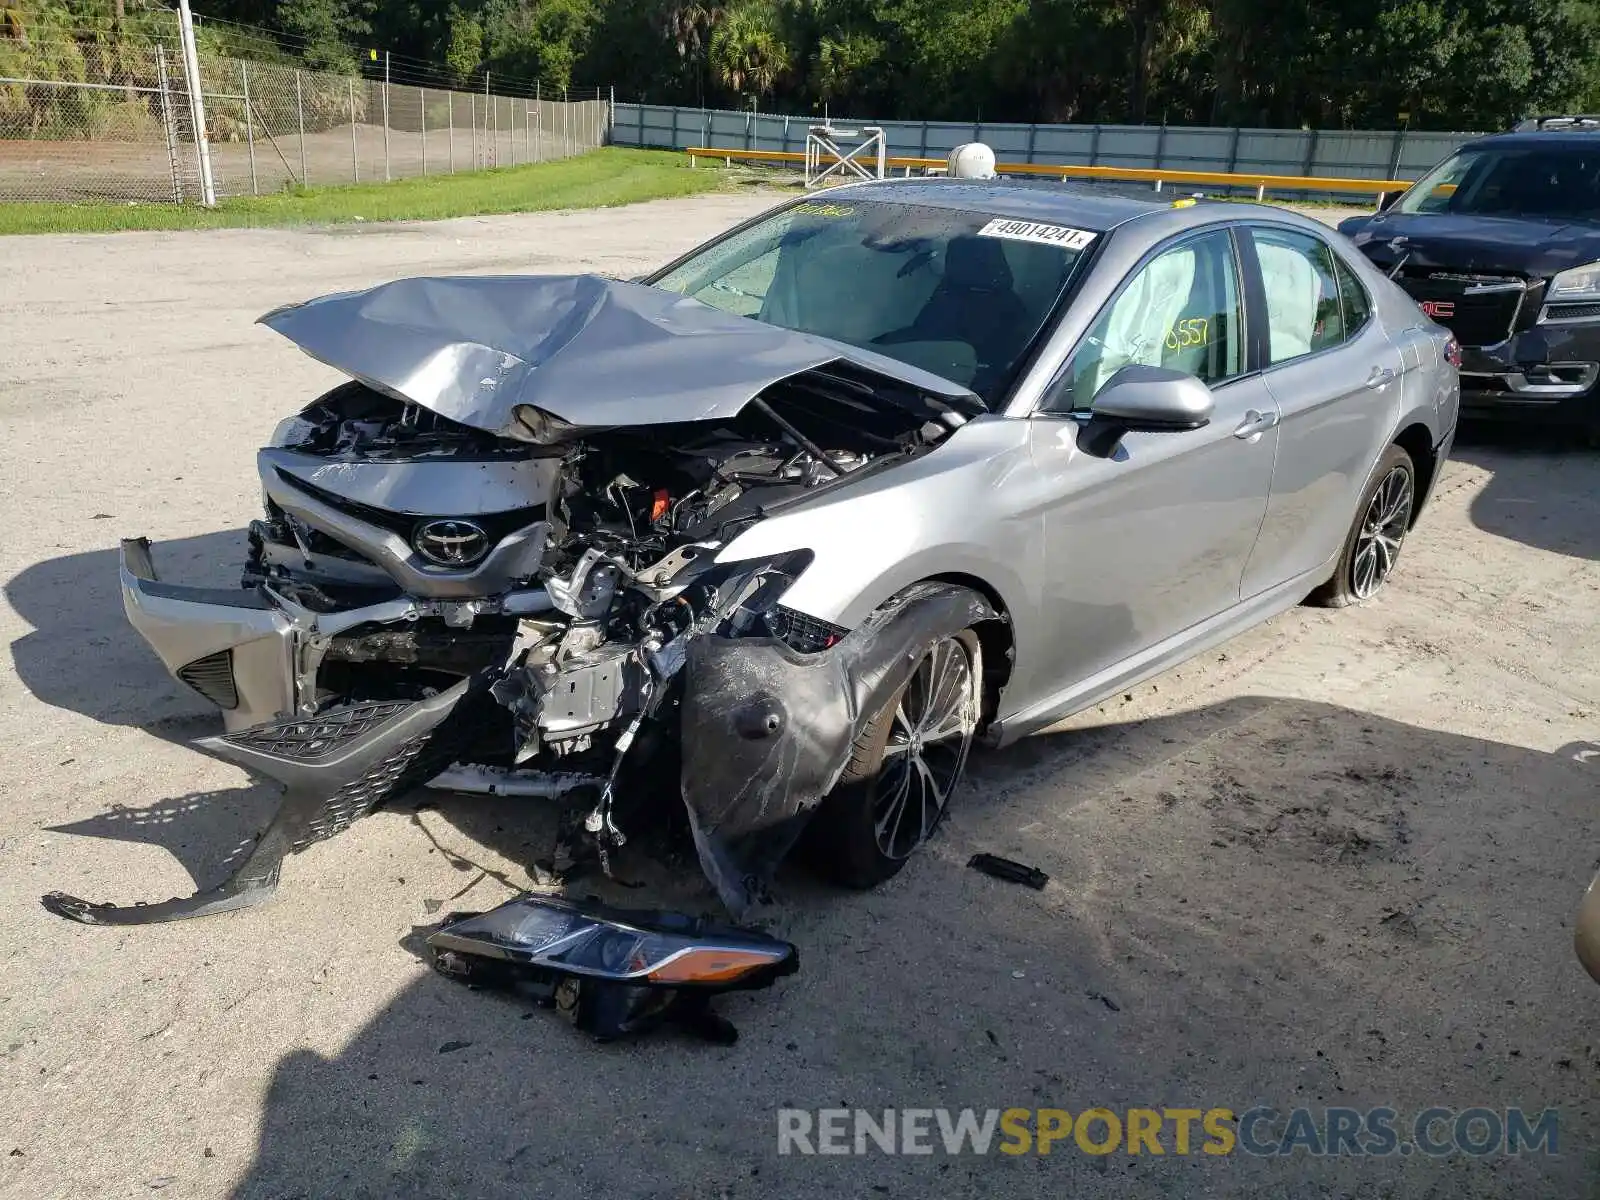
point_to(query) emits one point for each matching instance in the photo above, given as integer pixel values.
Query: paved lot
(1332, 864)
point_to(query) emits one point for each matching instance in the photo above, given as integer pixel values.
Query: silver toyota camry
(756, 547)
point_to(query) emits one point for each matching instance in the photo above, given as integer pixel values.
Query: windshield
(1533, 181)
(957, 293)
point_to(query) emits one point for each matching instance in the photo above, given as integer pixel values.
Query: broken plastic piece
(1009, 870)
(336, 768)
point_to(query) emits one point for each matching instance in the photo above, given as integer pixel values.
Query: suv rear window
(1518, 180)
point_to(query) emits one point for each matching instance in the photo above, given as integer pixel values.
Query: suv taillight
(1452, 353)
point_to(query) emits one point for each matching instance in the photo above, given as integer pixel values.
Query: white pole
(197, 104)
(355, 153)
(300, 118)
(450, 122)
(249, 125)
(386, 116)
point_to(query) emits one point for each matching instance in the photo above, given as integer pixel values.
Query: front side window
(959, 293)
(1180, 311)
(1518, 180)
(1304, 314)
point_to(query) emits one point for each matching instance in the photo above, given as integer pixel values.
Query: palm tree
(688, 26)
(748, 52)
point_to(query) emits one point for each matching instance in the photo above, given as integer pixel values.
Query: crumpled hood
(594, 352)
(1531, 246)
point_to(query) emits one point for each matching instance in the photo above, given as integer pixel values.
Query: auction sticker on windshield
(1036, 231)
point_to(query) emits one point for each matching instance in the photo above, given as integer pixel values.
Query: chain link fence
(99, 120)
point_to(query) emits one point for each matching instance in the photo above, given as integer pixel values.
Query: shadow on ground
(82, 655)
(1543, 492)
(1264, 901)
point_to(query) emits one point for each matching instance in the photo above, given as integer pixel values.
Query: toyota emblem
(451, 543)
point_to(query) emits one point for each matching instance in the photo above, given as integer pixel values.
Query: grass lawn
(603, 177)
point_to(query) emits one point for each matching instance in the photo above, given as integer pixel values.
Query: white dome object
(971, 161)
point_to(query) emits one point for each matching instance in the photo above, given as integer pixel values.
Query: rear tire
(904, 764)
(1372, 548)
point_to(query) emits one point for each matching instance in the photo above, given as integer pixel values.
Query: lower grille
(1572, 312)
(308, 739)
(1480, 312)
(212, 677)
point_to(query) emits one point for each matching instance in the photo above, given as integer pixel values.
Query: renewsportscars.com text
(1216, 1132)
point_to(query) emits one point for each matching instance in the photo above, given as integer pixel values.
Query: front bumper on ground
(231, 645)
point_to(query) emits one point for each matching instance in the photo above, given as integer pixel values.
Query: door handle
(1255, 423)
(1381, 377)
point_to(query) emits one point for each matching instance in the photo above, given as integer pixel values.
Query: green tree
(747, 50)
(537, 39)
(465, 49)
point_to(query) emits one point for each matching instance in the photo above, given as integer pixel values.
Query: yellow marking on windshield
(813, 209)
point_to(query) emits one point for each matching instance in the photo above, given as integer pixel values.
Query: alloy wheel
(929, 738)
(1383, 529)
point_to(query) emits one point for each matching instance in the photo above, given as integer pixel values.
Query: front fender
(767, 731)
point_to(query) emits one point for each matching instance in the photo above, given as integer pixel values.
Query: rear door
(1336, 378)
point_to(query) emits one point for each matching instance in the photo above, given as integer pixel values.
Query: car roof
(1019, 199)
(1566, 139)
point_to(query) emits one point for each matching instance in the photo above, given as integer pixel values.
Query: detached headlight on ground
(611, 972)
(649, 949)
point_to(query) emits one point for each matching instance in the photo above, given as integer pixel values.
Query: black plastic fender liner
(767, 731)
(366, 753)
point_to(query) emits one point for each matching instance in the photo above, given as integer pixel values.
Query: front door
(1154, 538)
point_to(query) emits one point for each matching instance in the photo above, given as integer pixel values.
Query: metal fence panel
(117, 124)
(1357, 154)
(106, 131)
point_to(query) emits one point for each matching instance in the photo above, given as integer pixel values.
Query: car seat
(974, 302)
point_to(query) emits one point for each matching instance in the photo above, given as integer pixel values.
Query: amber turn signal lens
(710, 966)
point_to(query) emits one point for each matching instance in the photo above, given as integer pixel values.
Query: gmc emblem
(1439, 308)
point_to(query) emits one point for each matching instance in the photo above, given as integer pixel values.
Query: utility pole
(197, 104)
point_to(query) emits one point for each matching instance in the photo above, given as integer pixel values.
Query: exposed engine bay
(591, 636)
(507, 604)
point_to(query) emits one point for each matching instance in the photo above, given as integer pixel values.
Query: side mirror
(1386, 200)
(1140, 399)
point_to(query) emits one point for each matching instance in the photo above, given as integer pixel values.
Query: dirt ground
(1333, 863)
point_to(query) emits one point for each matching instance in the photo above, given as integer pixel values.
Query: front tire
(1372, 548)
(904, 765)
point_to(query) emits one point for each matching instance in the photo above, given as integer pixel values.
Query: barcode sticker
(1035, 231)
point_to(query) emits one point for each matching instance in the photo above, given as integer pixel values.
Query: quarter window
(1181, 310)
(1356, 303)
(1302, 290)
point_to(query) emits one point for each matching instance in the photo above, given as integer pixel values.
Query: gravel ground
(1332, 864)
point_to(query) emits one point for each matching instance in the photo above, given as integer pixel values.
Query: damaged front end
(501, 564)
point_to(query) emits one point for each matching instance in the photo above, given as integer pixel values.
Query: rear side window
(1304, 310)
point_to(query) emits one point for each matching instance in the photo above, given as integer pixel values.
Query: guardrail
(1066, 171)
